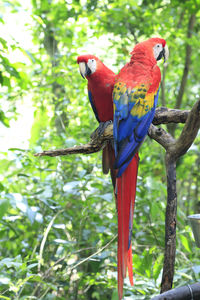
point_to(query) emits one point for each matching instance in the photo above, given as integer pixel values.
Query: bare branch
(94, 254)
(163, 115)
(181, 293)
(84, 149)
(170, 224)
(161, 136)
(166, 115)
(189, 132)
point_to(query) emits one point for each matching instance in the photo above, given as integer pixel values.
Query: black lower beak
(82, 75)
(88, 71)
(162, 54)
(84, 69)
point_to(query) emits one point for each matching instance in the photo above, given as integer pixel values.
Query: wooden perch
(163, 115)
(186, 292)
(189, 132)
(161, 136)
(82, 149)
(166, 115)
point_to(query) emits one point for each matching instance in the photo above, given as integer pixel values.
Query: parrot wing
(92, 104)
(134, 110)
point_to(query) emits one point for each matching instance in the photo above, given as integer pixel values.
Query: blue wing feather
(129, 131)
(93, 106)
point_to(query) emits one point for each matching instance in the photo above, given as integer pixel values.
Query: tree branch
(81, 149)
(181, 293)
(163, 115)
(170, 224)
(161, 136)
(189, 132)
(166, 115)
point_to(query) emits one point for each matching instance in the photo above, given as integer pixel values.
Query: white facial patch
(92, 64)
(157, 49)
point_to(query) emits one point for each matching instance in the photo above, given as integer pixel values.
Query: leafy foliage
(56, 214)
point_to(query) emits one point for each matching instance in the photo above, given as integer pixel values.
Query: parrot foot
(102, 127)
(100, 130)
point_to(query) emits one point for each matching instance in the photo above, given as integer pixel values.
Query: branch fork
(163, 115)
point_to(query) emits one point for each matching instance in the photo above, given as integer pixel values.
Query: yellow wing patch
(139, 95)
(143, 102)
(119, 90)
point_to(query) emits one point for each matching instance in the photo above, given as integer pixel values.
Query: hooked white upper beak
(82, 69)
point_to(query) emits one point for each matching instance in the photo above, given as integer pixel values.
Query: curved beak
(84, 69)
(164, 53)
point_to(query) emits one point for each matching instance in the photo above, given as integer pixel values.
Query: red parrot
(100, 87)
(135, 97)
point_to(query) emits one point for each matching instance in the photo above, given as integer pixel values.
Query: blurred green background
(57, 212)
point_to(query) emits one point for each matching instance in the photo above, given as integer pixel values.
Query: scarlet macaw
(100, 87)
(135, 97)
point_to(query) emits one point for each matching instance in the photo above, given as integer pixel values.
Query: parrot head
(154, 48)
(88, 64)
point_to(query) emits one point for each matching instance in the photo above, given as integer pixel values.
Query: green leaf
(157, 267)
(114, 295)
(4, 205)
(185, 243)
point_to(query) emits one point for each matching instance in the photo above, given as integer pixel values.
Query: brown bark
(170, 225)
(187, 292)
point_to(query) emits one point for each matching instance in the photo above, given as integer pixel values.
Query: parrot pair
(128, 99)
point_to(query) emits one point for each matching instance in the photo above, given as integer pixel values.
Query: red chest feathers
(102, 100)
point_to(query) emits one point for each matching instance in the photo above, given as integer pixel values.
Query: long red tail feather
(126, 189)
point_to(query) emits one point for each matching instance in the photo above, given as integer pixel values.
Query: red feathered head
(91, 66)
(88, 64)
(154, 48)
